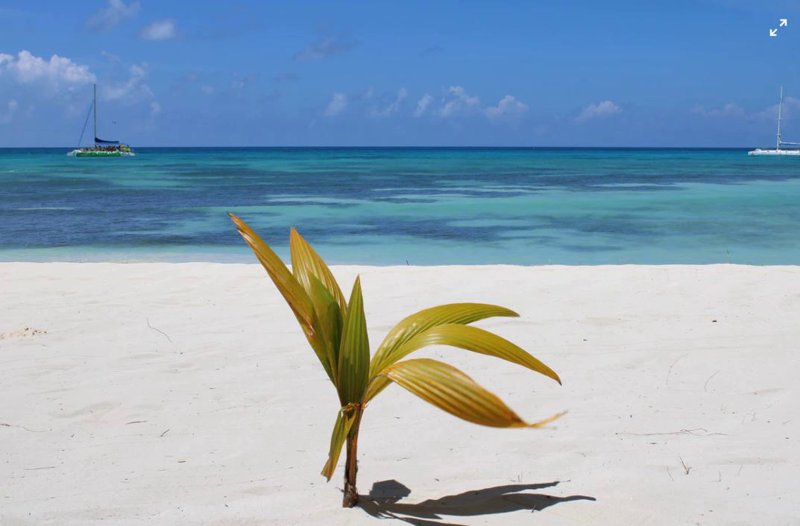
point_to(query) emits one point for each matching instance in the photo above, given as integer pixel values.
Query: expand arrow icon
(784, 22)
(773, 32)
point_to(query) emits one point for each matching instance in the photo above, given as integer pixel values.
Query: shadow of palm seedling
(384, 501)
(336, 329)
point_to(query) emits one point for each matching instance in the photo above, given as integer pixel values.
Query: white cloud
(602, 109)
(392, 107)
(8, 114)
(67, 84)
(111, 57)
(458, 102)
(791, 108)
(159, 30)
(131, 91)
(56, 72)
(507, 109)
(791, 105)
(422, 105)
(728, 110)
(337, 105)
(115, 12)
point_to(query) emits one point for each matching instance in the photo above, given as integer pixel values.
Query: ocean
(397, 206)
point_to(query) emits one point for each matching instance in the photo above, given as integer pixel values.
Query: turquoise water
(392, 206)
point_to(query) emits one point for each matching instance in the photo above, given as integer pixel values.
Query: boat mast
(94, 98)
(780, 111)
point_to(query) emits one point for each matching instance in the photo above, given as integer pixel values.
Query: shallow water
(397, 205)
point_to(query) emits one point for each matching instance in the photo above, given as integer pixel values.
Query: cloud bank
(456, 102)
(56, 73)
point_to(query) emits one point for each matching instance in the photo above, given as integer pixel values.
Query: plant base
(351, 466)
(350, 496)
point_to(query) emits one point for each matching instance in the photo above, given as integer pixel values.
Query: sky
(378, 73)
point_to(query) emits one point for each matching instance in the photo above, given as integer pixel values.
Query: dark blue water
(392, 205)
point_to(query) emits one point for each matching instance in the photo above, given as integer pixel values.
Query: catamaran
(780, 142)
(101, 148)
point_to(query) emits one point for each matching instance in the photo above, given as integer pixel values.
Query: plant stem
(351, 466)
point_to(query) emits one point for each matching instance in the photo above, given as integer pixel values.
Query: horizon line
(404, 147)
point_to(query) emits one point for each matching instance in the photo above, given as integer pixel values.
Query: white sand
(185, 394)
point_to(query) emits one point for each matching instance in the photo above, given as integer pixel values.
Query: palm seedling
(337, 332)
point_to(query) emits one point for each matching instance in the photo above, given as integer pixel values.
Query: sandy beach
(185, 394)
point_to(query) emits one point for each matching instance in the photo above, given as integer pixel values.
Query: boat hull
(775, 153)
(99, 153)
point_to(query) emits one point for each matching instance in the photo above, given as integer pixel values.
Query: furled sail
(101, 141)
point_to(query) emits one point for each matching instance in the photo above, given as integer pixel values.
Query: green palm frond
(306, 264)
(344, 422)
(452, 313)
(336, 329)
(354, 350)
(453, 391)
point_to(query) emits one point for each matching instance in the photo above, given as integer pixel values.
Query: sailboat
(780, 142)
(101, 148)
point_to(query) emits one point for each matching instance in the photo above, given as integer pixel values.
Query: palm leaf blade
(375, 386)
(328, 321)
(471, 339)
(307, 264)
(288, 286)
(354, 350)
(451, 390)
(344, 422)
(451, 313)
(291, 290)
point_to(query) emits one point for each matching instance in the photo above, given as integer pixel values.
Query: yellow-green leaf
(375, 385)
(471, 339)
(354, 350)
(459, 313)
(294, 294)
(292, 291)
(328, 321)
(344, 422)
(453, 391)
(306, 263)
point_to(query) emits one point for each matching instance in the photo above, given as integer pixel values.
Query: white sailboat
(101, 148)
(780, 142)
